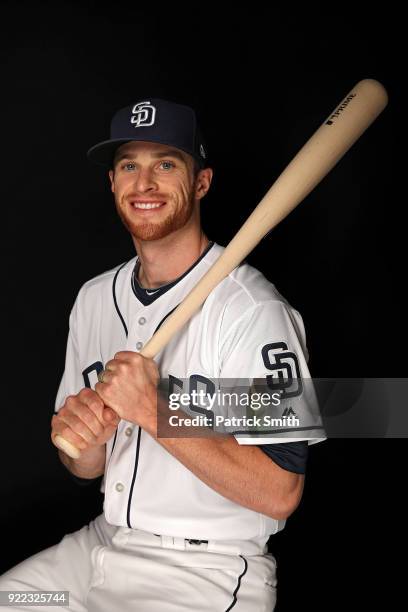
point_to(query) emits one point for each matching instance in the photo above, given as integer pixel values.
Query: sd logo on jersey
(285, 367)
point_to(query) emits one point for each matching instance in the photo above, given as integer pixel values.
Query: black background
(262, 80)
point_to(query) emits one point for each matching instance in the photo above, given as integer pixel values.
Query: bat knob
(68, 448)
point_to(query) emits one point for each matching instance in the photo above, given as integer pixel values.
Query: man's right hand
(84, 421)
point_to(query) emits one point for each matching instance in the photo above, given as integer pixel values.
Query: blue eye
(170, 164)
(128, 166)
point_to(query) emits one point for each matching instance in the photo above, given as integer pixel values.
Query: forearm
(241, 473)
(91, 463)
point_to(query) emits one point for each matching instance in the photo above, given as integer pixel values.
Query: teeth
(146, 205)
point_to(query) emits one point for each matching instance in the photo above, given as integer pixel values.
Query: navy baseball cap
(153, 120)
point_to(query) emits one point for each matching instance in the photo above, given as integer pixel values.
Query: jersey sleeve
(72, 380)
(264, 352)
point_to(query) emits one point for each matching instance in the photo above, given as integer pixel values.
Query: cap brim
(103, 152)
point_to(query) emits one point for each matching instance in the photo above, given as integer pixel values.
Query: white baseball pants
(107, 568)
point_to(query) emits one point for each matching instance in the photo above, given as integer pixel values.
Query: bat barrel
(317, 157)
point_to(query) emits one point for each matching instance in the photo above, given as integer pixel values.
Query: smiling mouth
(147, 205)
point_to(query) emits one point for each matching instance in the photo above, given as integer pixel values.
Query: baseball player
(186, 520)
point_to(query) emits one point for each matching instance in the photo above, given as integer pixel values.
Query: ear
(112, 181)
(203, 183)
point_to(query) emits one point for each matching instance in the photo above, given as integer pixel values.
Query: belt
(128, 536)
(189, 540)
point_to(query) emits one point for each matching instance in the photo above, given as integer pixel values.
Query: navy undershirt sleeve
(291, 456)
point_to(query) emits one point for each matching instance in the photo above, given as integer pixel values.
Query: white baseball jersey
(237, 334)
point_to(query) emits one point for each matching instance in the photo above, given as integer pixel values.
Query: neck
(164, 260)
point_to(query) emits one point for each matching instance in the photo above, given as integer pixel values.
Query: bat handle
(68, 448)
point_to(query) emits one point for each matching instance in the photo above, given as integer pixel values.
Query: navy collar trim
(148, 296)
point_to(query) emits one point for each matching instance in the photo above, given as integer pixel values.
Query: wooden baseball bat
(315, 159)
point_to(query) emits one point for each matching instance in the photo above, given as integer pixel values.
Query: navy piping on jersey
(235, 599)
(142, 293)
(137, 449)
(115, 301)
(164, 318)
(139, 435)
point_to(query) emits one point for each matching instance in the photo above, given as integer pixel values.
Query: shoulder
(99, 286)
(248, 308)
(247, 292)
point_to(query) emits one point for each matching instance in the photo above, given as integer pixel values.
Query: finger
(93, 405)
(110, 417)
(127, 356)
(86, 395)
(91, 399)
(105, 416)
(106, 376)
(78, 427)
(111, 365)
(60, 428)
(100, 389)
(88, 416)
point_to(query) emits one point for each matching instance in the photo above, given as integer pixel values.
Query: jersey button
(119, 487)
(128, 431)
(142, 321)
(139, 345)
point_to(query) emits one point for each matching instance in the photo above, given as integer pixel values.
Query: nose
(144, 181)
